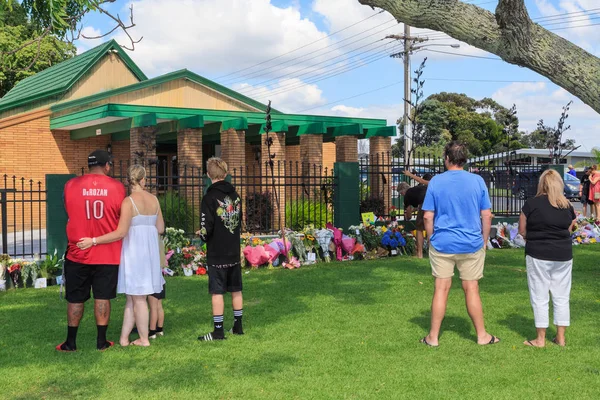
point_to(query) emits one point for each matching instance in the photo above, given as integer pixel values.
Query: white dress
(140, 272)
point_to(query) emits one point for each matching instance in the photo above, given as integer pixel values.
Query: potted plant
(51, 268)
(394, 213)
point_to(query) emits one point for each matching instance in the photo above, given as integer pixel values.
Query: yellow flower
(384, 229)
(579, 240)
(593, 240)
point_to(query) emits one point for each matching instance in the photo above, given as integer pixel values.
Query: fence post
(56, 215)
(560, 168)
(346, 197)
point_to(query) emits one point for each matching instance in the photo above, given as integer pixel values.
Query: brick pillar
(142, 144)
(233, 152)
(311, 154)
(380, 176)
(346, 149)
(277, 148)
(189, 159)
(293, 170)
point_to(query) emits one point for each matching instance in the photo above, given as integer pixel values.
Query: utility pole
(409, 41)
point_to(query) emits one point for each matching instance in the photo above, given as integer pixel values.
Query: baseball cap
(99, 158)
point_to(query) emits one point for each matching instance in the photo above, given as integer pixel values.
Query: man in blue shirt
(458, 221)
(572, 171)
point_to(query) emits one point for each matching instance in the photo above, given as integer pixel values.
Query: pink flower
(169, 254)
(201, 271)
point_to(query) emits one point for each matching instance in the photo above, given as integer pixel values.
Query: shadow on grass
(521, 325)
(459, 325)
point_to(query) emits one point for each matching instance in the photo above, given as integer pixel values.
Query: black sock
(218, 321)
(237, 322)
(101, 339)
(218, 333)
(159, 328)
(71, 341)
(151, 332)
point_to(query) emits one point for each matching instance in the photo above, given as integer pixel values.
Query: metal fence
(509, 178)
(22, 216)
(291, 194)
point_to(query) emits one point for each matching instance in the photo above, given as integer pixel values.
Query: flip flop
(67, 350)
(558, 344)
(424, 341)
(530, 344)
(492, 341)
(107, 346)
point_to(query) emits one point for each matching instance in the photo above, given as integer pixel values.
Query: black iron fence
(22, 216)
(510, 180)
(291, 194)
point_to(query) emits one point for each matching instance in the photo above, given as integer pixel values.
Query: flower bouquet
(394, 213)
(15, 274)
(392, 240)
(324, 237)
(310, 244)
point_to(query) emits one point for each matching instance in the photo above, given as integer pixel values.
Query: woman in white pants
(546, 222)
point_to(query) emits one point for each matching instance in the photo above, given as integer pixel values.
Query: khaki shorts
(470, 266)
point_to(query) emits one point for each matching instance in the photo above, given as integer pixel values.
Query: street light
(453, 45)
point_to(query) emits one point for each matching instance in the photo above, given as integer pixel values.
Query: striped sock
(218, 333)
(237, 322)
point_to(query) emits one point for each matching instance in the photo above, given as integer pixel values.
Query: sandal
(424, 341)
(558, 344)
(492, 341)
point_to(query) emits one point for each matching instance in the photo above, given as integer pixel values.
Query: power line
(464, 55)
(311, 68)
(574, 27)
(302, 47)
(316, 55)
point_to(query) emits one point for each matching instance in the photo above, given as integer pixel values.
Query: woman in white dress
(140, 272)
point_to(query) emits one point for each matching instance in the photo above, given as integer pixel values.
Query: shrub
(301, 213)
(178, 213)
(373, 204)
(259, 212)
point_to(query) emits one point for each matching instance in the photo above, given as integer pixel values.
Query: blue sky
(216, 38)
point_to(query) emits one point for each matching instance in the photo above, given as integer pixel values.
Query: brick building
(100, 99)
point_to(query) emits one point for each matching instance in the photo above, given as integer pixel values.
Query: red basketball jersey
(93, 204)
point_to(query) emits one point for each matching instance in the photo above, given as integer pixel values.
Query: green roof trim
(172, 76)
(144, 120)
(58, 79)
(194, 122)
(236, 123)
(386, 131)
(346, 130)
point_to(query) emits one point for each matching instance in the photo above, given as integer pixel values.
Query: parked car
(526, 182)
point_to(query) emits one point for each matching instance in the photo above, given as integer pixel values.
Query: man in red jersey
(93, 204)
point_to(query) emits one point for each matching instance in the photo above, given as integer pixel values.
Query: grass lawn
(341, 330)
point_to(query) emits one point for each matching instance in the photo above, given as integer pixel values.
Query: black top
(548, 237)
(585, 185)
(220, 225)
(415, 196)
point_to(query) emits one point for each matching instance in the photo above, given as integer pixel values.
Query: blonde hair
(135, 174)
(216, 169)
(552, 185)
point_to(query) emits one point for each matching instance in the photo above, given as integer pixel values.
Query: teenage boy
(220, 226)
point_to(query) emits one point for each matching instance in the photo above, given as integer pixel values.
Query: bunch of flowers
(392, 239)
(394, 212)
(310, 241)
(586, 231)
(14, 270)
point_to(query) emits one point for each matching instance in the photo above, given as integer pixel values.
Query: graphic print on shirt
(229, 211)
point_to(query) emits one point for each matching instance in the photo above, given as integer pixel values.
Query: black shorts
(585, 199)
(80, 278)
(223, 280)
(160, 295)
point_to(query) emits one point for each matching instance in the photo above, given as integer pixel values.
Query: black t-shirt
(548, 237)
(415, 196)
(585, 185)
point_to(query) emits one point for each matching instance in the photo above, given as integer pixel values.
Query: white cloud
(545, 101)
(288, 95)
(216, 36)
(86, 44)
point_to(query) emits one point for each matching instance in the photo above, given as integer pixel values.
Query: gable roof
(181, 74)
(58, 79)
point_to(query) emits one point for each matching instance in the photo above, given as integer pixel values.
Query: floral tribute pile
(312, 245)
(586, 231)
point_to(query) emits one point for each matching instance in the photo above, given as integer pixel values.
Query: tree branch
(509, 34)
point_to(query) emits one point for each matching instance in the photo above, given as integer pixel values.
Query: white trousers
(543, 278)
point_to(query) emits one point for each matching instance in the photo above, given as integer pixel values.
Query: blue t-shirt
(457, 199)
(572, 172)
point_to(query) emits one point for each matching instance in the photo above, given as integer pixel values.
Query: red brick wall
(346, 148)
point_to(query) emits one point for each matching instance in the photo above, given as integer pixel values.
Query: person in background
(458, 220)
(413, 200)
(140, 272)
(546, 222)
(584, 191)
(422, 181)
(157, 314)
(220, 229)
(595, 191)
(93, 205)
(572, 171)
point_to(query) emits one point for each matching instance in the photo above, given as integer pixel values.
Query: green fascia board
(387, 131)
(120, 136)
(144, 120)
(211, 130)
(193, 122)
(345, 130)
(58, 79)
(172, 76)
(169, 137)
(237, 123)
(106, 129)
(315, 128)
(276, 126)
(129, 111)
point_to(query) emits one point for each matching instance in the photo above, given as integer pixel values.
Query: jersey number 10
(96, 209)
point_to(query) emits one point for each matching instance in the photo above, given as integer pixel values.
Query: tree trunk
(511, 35)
